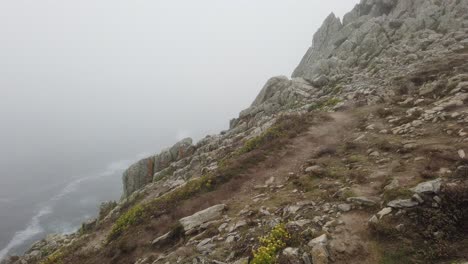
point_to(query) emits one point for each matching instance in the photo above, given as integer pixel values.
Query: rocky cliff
(358, 158)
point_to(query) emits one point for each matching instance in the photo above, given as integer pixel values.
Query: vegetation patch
(428, 234)
(397, 193)
(271, 244)
(287, 126)
(131, 217)
(357, 158)
(331, 102)
(397, 256)
(54, 258)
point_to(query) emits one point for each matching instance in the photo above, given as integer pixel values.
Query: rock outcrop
(191, 223)
(378, 28)
(141, 173)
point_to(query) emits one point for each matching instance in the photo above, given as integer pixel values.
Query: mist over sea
(58, 205)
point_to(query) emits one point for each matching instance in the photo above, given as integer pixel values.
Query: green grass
(131, 217)
(268, 135)
(400, 256)
(398, 193)
(324, 104)
(357, 158)
(54, 258)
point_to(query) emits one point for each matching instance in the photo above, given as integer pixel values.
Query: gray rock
(321, 240)
(366, 201)
(306, 258)
(402, 203)
(137, 176)
(242, 261)
(142, 173)
(316, 169)
(374, 220)
(161, 239)
(384, 212)
(394, 184)
(291, 252)
(428, 187)
(191, 223)
(298, 223)
(320, 81)
(344, 207)
(320, 254)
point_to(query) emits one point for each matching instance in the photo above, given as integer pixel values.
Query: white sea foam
(34, 227)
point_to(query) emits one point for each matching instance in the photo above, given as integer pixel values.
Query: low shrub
(131, 217)
(54, 258)
(105, 208)
(429, 233)
(324, 104)
(397, 193)
(271, 244)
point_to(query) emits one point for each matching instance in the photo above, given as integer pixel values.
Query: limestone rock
(161, 239)
(366, 201)
(320, 254)
(428, 187)
(402, 203)
(384, 212)
(142, 172)
(191, 223)
(321, 240)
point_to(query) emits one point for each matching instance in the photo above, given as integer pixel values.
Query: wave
(34, 227)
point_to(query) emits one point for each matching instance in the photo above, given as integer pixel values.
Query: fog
(86, 85)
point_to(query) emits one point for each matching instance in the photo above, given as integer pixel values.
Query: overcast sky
(108, 78)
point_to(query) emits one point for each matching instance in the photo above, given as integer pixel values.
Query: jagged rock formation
(141, 173)
(380, 28)
(393, 78)
(356, 57)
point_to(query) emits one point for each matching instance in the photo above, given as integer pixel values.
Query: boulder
(193, 222)
(321, 240)
(344, 207)
(320, 254)
(316, 169)
(402, 203)
(429, 187)
(365, 201)
(291, 252)
(162, 239)
(384, 212)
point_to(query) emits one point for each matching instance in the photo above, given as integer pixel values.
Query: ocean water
(57, 205)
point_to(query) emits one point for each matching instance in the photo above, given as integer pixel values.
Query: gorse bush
(54, 258)
(271, 244)
(159, 205)
(268, 135)
(131, 217)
